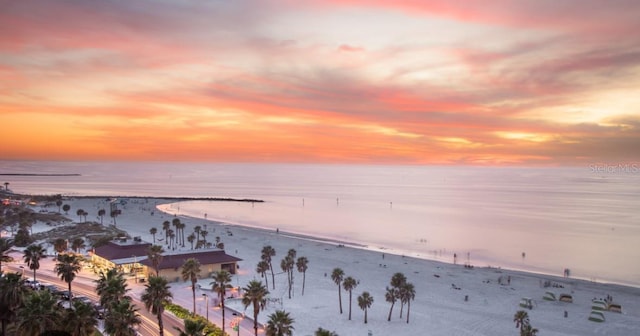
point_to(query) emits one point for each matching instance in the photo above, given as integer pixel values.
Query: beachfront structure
(211, 260)
(121, 253)
(131, 256)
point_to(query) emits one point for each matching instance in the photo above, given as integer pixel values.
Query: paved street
(84, 285)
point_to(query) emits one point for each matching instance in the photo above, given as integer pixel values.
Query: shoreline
(450, 299)
(340, 243)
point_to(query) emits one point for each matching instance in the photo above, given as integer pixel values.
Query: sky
(493, 82)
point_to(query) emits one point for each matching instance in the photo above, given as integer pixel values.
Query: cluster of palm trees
(402, 291)
(120, 316)
(287, 265)
(521, 318)
(36, 311)
(365, 300)
(175, 236)
(81, 213)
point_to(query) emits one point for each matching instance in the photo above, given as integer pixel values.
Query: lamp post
(206, 304)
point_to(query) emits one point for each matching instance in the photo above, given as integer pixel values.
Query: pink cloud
(349, 48)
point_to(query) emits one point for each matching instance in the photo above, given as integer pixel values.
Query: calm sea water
(586, 219)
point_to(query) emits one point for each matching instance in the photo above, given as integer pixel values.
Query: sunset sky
(542, 82)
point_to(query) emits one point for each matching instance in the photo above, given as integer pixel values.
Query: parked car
(32, 283)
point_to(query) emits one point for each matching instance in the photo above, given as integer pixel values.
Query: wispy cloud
(491, 82)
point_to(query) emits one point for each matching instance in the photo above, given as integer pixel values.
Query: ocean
(544, 220)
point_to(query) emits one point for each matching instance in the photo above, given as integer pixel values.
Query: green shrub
(210, 330)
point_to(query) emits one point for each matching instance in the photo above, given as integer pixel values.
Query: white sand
(437, 310)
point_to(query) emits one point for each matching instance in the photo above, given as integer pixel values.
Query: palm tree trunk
(34, 274)
(340, 299)
(273, 279)
(365, 316)
(255, 318)
(401, 306)
(193, 290)
(408, 309)
(69, 291)
(222, 300)
(349, 305)
(304, 275)
(266, 279)
(289, 272)
(390, 310)
(160, 324)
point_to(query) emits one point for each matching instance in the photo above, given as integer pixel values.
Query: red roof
(115, 251)
(174, 261)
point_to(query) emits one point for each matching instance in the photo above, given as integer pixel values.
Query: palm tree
(262, 269)
(5, 246)
(191, 238)
(391, 296)
(101, 214)
(521, 318)
(180, 227)
(287, 266)
(204, 234)
(79, 212)
(66, 208)
(197, 230)
(349, 285)
(255, 294)
(122, 320)
(324, 332)
(114, 214)
(12, 292)
(78, 244)
(172, 235)
(59, 204)
(337, 275)
(60, 245)
(268, 253)
(67, 267)
(302, 264)
(153, 232)
(407, 294)
(82, 319)
(165, 227)
(365, 300)
(280, 324)
(32, 255)
(155, 256)
(221, 282)
(192, 328)
(155, 296)
(111, 286)
(190, 271)
(38, 313)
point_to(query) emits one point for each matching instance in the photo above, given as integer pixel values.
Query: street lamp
(206, 304)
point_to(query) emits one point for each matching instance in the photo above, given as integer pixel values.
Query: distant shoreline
(36, 174)
(168, 198)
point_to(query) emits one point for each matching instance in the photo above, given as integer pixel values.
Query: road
(84, 285)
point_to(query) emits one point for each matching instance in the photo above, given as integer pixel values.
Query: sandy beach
(450, 299)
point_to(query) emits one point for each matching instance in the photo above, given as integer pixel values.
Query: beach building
(130, 255)
(123, 253)
(211, 260)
